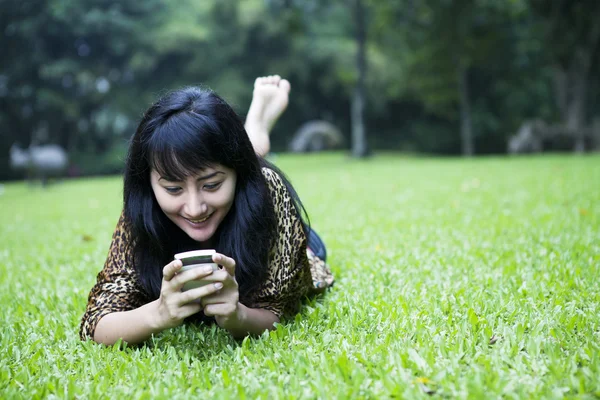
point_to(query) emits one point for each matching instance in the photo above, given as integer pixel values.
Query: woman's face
(200, 203)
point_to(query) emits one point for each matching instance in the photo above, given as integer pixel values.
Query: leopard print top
(293, 272)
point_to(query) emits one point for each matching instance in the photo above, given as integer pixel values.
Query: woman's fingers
(220, 309)
(171, 269)
(189, 309)
(199, 292)
(191, 275)
(227, 262)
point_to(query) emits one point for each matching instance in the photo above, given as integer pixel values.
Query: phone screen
(197, 260)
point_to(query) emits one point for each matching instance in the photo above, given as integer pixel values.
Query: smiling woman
(198, 204)
(196, 179)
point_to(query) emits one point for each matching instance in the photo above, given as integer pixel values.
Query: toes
(272, 80)
(285, 85)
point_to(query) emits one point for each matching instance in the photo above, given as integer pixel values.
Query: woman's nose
(195, 205)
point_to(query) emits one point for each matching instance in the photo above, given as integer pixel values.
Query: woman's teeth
(197, 221)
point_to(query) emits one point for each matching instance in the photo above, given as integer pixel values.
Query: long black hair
(183, 132)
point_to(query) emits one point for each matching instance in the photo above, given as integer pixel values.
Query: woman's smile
(199, 220)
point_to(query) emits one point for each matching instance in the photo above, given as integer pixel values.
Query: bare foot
(269, 100)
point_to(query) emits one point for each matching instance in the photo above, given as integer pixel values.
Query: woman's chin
(202, 236)
(198, 233)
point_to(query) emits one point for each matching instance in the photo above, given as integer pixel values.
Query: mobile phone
(194, 259)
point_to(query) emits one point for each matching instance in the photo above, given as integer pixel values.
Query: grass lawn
(455, 278)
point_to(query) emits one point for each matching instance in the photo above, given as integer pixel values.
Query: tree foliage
(439, 76)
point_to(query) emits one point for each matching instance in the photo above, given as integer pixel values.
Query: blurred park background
(444, 77)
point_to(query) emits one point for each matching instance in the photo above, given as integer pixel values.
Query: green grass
(433, 257)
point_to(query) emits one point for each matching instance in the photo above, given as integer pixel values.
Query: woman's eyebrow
(168, 179)
(212, 175)
(202, 178)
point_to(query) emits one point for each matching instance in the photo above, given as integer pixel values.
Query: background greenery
(457, 278)
(80, 72)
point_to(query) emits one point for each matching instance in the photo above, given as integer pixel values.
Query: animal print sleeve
(116, 287)
(288, 277)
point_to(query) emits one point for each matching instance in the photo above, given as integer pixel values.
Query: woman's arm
(250, 321)
(225, 306)
(116, 289)
(134, 326)
(168, 311)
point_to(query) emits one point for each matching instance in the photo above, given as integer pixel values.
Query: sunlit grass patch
(455, 278)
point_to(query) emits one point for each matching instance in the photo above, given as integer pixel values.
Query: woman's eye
(212, 186)
(173, 190)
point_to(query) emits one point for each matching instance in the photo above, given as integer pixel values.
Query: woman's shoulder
(275, 182)
(121, 247)
(123, 228)
(271, 175)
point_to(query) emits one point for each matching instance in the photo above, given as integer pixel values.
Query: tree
(77, 64)
(443, 45)
(359, 135)
(572, 28)
(334, 33)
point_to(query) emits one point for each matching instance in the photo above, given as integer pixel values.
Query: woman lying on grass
(195, 178)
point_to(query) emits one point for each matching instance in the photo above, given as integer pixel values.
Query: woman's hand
(173, 305)
(224, 305)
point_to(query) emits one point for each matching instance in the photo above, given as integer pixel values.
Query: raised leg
(269, 101)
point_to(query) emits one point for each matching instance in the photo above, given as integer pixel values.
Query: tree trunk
(571, 96)
(359, 137)
(596, 134)
(571, 87)
(466, 125)
(575, 121)
(561, 86)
